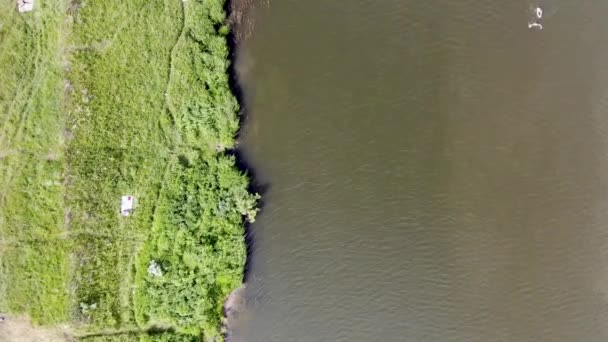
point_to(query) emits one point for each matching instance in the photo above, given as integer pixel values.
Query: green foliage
(198, 243)
(33, 253)
(105, 98)
(141, 336)
(170, 337)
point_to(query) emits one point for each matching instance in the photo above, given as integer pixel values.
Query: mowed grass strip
(33, 248)
(121, 144)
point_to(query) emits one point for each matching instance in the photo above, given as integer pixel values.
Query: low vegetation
(101, 99)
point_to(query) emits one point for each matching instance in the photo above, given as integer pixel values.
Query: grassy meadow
(101, 98)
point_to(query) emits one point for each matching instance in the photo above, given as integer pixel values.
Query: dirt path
(20, 329)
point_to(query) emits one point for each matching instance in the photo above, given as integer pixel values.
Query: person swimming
(538, 13)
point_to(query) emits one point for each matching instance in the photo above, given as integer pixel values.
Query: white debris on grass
(25, 5)
(154, 269)
(126, 205)
(87, 308)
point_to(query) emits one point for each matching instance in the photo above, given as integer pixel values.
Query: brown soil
(234, 305)
(20, 329)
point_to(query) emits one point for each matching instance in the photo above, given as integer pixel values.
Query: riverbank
(114, 98)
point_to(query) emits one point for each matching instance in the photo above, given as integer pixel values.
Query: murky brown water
(437, 171)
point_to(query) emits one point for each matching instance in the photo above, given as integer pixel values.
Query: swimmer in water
(538, 12)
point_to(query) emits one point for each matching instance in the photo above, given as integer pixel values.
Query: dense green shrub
(197, 240)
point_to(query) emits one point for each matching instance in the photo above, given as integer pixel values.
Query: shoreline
(235, 303)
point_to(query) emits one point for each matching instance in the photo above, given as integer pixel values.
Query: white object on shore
(539, 12)
(126, 205)
(25, 5)
(535, 25)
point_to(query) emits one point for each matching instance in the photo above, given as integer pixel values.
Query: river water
(435, 171)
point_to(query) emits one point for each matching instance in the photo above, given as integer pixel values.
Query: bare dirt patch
(20, 329)
(233, 307)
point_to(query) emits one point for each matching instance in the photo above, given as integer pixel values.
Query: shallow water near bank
(436, 171)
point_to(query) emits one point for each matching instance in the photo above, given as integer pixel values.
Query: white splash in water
(534, 23)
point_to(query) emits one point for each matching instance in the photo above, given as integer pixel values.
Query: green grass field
(102, 98)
